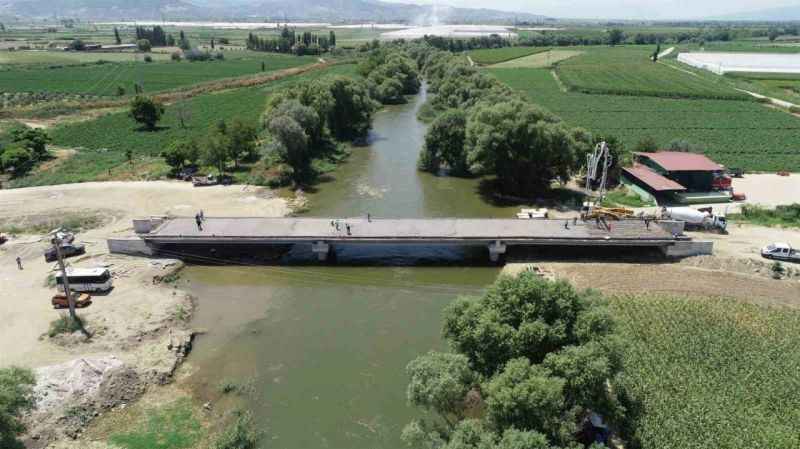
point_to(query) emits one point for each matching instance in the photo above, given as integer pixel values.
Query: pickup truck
(781, 251)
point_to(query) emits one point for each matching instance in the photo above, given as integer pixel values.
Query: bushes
(16, 398)
(65, 325)
(784, 215)
(239, 435)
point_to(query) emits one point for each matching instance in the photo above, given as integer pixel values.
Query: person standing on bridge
(199, 222)
(19, 263)
(202, 216)
(348, 229)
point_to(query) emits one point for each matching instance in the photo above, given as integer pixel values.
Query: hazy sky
(622, 9)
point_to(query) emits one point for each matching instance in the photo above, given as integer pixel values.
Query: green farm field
(711, 373)
(48, 58)
(735, 133)
(629, 71)
(489, 56)
(539, 60)
(102, 142)
(103, 79)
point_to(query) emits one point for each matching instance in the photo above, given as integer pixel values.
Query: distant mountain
(290, 10)
(783, 14)
(98, 9)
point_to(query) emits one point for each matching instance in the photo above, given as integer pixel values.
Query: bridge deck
(446, 230)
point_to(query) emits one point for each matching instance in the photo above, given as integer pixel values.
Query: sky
(620, 9)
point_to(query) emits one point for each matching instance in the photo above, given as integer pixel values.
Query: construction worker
(348, 229)
(566, 224)
(202, 216)
(199, 222)
(19, 263)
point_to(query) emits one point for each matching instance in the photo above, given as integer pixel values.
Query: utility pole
(64, 279)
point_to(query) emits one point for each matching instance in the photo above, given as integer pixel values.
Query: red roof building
(677, 176)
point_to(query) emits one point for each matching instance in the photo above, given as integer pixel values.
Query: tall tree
(292, 145)
(615, 37)
(146, 111)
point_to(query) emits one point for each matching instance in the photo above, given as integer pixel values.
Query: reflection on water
(325, 348)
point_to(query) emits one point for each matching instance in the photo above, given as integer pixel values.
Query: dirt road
(25, 307)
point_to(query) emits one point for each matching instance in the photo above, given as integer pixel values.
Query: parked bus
(86, 280)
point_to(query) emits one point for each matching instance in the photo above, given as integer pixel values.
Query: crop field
(735, 133)
(711, 372)
(539, 60)
(103, 79)
(628, 71)
(489, 56)
(102, 142)
(49, 58)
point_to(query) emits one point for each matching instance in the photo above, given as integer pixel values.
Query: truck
(694, 218)
(780, 251)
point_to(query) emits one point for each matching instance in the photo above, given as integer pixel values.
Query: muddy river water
(324, 349)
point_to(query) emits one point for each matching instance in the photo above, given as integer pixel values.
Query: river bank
(141, 329)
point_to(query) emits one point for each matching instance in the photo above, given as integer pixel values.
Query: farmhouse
(671, 176)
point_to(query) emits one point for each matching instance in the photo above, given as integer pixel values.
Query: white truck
(780, 251)
(694, 218)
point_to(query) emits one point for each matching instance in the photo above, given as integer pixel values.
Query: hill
(281, 10)
(782, 14)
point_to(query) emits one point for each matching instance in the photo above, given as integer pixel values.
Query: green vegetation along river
(324, 349)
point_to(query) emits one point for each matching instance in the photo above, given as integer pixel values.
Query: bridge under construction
(166, 236)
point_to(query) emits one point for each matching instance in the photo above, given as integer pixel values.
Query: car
(187, 173)
(67, 250)
(82, 300)
(780, 251)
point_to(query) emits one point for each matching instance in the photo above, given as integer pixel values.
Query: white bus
(86, 280)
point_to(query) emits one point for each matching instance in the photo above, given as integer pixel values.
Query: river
(324, 349)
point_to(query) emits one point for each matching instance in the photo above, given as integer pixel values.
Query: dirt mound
(71, 394)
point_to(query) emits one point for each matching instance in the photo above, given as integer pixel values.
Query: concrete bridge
(494, 234)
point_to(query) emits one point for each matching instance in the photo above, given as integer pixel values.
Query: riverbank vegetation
(481, 127)
(16, 398)
(311, 120)
(781, 216)
(534, 363)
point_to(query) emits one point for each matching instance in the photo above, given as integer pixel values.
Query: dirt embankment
(140, 329)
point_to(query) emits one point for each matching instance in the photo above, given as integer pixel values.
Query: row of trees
(391, 74)
(532, 362)
(305, 122)
(481, 127)
(288, 41)
(156, 36)
(225, 142)
(22, 149)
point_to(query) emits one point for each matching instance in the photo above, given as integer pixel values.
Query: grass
(787, 216)
(488, 56)
(628, 70)
(239, 435)
(41, 224)
(65, 325)
(102, 142)
(539, 60)
(710, 372)
(57, 57)
(734, 133)
(171, 427)
(624, 197)
(104, 79)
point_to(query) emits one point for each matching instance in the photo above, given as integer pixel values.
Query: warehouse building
(677, 177)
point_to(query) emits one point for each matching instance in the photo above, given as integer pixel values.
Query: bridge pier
(321, 249)
(496, 249)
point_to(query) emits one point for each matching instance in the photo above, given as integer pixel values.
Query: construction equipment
(597, 165)
(615, 213)
(695, 218)
(532, 214)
